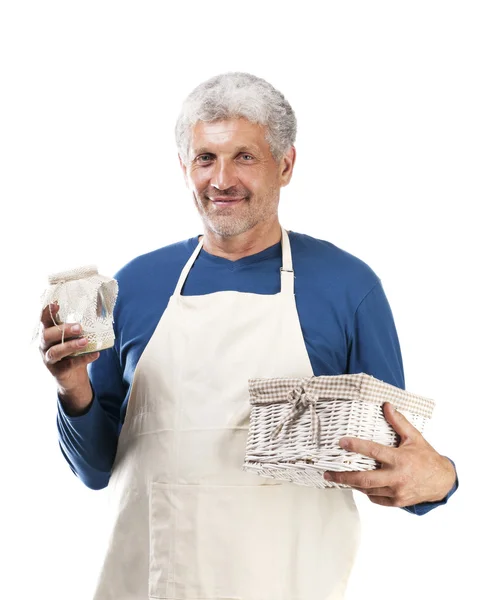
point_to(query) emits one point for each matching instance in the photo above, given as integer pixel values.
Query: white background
(393, 105)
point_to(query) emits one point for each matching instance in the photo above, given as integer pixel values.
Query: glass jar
(86, 297)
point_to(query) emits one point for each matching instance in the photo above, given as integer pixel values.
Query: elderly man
(162, 418)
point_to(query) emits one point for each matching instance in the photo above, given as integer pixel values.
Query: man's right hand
(70, 372)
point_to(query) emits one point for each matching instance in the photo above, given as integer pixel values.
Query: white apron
(188, 522)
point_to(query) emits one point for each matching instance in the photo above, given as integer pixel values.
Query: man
(163, 417)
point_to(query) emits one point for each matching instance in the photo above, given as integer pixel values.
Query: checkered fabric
(359, 386)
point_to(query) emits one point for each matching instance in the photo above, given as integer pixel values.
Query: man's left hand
(412, 473)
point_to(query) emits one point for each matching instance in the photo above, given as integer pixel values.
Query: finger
(88, 358)
(400, 424)
(49, 315)
(84, 359)
(54, 335)
(60, 351)
(381, 491)
(359, 479)
(379, 452)
(382, 500)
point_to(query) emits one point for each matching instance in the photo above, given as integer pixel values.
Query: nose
(223, 175)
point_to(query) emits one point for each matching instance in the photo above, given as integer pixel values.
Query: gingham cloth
(359, 386)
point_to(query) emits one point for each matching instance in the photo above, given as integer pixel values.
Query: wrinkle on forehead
(241, 132)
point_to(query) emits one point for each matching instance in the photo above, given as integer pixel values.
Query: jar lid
(79, 273)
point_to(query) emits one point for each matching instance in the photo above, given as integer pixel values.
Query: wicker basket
(296, 424)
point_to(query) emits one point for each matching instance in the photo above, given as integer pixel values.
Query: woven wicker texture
(86, 297)
(296, 424)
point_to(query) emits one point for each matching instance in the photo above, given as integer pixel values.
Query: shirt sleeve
(89, 442)
(374, 349)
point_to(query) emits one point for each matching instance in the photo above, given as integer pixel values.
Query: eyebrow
(237, 150)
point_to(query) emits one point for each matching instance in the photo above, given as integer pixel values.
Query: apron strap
(287, 275)
(187, 268)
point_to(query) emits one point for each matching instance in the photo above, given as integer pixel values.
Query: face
(233, 176)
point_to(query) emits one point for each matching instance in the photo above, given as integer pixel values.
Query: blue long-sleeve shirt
(346, 321)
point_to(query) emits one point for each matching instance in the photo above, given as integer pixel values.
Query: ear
(287, 163)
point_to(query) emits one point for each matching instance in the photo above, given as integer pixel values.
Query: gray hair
(234, 95)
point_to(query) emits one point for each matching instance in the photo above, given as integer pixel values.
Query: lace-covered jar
(87, 298)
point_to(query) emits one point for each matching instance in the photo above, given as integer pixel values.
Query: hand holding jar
(76, 323)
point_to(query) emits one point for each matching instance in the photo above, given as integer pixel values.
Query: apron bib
(188, 523)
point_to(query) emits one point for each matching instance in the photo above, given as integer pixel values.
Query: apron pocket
(222, 542)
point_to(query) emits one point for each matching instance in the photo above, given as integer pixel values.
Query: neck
(261, 236)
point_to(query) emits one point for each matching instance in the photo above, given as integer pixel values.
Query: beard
(235, 220)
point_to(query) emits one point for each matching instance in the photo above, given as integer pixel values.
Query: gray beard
(230, 225)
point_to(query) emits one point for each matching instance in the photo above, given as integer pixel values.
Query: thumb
(406, 431)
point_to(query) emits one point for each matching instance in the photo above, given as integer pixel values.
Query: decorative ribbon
(300, 400)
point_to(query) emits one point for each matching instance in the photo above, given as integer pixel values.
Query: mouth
(226, 201)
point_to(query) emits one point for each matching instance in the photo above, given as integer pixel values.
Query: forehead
(228, 134)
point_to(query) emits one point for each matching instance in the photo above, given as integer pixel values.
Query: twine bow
(300, 400)
(62, 329)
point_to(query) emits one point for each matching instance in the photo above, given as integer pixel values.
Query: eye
(204, 158)
(247, 157)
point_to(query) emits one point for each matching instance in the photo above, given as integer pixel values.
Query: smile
(226, 201)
